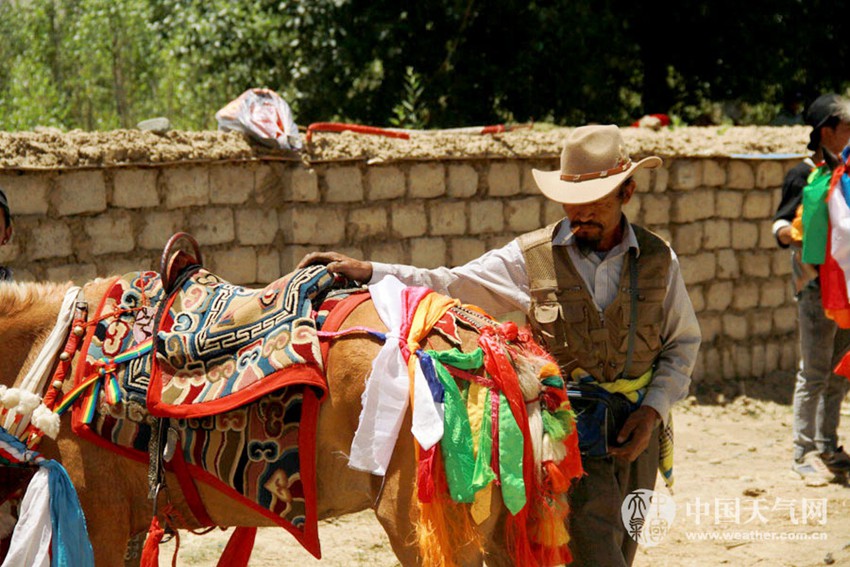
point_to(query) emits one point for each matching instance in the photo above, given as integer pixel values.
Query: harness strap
(178, 466)
(66, 357)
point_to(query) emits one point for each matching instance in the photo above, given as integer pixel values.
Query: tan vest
(565, 318)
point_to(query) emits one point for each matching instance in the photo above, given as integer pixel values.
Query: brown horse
(113, 489)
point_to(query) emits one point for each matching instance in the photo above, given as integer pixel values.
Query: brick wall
(255, 220)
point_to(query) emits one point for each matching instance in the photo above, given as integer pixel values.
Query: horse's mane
(16, 297)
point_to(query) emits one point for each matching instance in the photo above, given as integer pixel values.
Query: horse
(113, 490)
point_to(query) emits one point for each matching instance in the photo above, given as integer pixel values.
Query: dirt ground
(50, 149)
(733, 455)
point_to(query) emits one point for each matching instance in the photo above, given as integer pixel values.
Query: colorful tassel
(150, 553)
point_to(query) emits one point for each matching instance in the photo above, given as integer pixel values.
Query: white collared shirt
(498, 283)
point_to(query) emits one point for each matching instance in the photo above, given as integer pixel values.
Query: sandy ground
(733, 475)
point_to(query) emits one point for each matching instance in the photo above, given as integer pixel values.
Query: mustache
(578, 224)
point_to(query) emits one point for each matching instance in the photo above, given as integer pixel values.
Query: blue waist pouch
(599, 417)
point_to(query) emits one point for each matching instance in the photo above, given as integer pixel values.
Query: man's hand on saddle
(356, 270)
(636, 434)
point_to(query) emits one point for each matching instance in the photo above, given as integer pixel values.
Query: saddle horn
(174, 262)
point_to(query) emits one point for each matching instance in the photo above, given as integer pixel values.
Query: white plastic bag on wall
(264, 116)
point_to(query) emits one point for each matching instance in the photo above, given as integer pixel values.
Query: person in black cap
(819, 391)
(5, 232)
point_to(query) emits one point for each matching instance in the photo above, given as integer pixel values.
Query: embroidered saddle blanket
(238, 370)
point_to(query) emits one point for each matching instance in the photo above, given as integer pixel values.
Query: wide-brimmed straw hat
(594, 162)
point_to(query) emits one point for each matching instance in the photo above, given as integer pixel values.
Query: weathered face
(834, 139)
(596, 225)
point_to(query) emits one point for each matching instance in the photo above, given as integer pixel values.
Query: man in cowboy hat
(608, 300)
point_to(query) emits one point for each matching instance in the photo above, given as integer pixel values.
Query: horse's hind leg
(397, 509)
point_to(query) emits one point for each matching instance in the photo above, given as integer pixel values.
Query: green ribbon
(816, 216)
(510, 458)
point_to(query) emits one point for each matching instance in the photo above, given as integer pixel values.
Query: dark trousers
(597, 534)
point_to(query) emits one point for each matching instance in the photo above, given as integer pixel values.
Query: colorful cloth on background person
(816, 215)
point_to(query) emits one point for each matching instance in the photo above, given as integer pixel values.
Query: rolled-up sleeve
(496, 281)
(680, 339)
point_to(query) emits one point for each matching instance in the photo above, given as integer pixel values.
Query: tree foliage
(101, 64)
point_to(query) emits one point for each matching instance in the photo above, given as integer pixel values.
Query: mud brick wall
(256, 219)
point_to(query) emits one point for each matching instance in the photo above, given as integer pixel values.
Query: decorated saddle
(238, 371)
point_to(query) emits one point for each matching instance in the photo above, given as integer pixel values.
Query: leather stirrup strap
(190, 491)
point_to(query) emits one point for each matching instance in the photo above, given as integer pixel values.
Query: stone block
(427, 180)
(727, 265)
(757, 352)
(110, 233)
(135, 188)
(291, 255)
(740, 175)
(719, 295)
(272, 184)
(256, 226)
(781, 263)
(465, 249)
(9, 252)
(685, 174)
(632, 209)
(694, 205)
(314, 225)
(212, 226)
(730, 371)
(80, 192)
(729, 204)
(51, 239)
(772, 353)
(663, 233)
(462, 181)
(660, 179)
(769, 174)
(447, 218)
(552, 212)
(656, 209)
(698, 268)
(735, 326)
(26, 192)
(410, 219)
(503, 179)
(773, 293)
(369, 222)
(761, 323)
(344, 184)
(713, 173)
(695, 292)
(766, 239)
(687, 238)
(788, 360)
(755, 264)
(231, 184)
(713, 365)
(743, 361)
(523, 215)
(428, 252)
(486, 217)
(745, 235)
(268, 266)
(186, 186)
(643, 180)
(388, 252)
(709, 325)
(385, 182)
(236, 265)
(785, 319)
(746, 296)
(718, 234)
(158, 227)
(303, 185)
(77, 273)
(758, 205)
